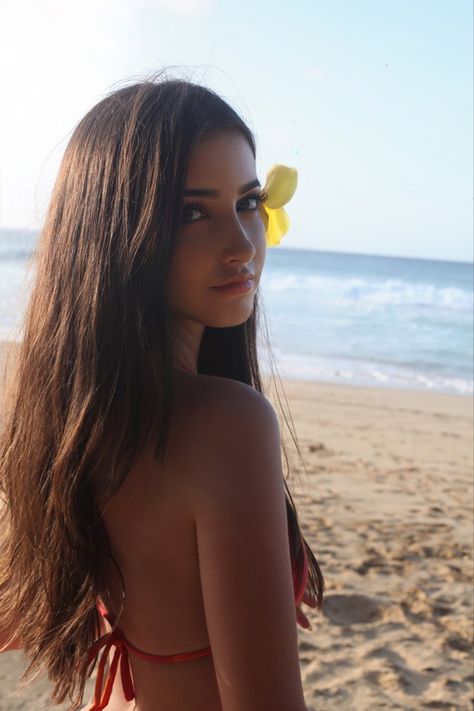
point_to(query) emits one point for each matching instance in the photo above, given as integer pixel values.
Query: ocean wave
(370, 293)
(370, 373)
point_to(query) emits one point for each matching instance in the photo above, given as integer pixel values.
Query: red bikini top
(116, 638)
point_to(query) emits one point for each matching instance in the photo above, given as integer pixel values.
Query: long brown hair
(94, 371)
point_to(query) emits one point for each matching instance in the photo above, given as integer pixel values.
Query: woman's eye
(191, 213)
(252, 202)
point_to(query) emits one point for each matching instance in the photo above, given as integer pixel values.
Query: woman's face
(221, 236)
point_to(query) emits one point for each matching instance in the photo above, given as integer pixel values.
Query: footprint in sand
(459, 643)
(398, 669)
(352, 609)
(320, 448)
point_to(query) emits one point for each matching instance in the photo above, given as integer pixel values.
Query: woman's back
(160, 526)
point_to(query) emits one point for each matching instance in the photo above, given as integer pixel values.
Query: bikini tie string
(103, 691)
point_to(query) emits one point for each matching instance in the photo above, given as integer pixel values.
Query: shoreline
(378, 386)
(5, 345)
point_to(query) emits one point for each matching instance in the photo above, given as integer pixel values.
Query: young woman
(147, 525)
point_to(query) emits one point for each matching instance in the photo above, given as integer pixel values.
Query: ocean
(333, 317)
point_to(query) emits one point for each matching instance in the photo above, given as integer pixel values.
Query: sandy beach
(385, 498)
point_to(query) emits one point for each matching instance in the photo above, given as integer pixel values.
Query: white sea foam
(369, 293)
(365, 373)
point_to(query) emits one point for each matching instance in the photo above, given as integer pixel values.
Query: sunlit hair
(94, 370)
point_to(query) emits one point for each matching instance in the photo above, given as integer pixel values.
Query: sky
(371, 100)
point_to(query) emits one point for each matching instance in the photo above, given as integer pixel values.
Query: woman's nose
(238, 239)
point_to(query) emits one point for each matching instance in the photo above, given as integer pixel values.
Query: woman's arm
(5, 644)
(7, 639)
(242, 533)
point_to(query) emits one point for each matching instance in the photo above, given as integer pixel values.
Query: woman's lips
(236, 288)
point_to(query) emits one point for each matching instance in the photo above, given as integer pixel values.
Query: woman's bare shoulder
(214, 385)
(208, 404)
(215, 416)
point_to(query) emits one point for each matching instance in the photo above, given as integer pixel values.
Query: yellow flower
(279, 187)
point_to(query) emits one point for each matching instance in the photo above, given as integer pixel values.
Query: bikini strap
(103, 689)
(300, 582)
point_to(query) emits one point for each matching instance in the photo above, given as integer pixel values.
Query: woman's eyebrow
(209, 192)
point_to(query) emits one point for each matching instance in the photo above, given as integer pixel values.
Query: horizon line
(313, 249)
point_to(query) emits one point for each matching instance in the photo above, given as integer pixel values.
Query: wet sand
(385, 499)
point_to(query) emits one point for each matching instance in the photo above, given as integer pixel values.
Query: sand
(386, 500)
(388, 508)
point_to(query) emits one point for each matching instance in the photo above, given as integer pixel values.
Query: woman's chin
(226, 321)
